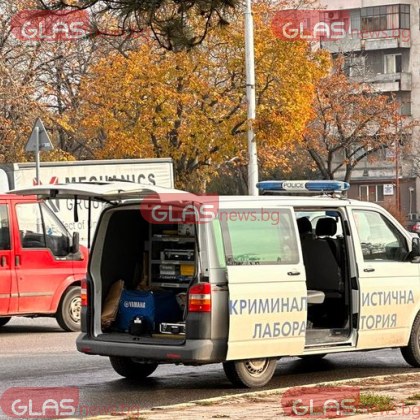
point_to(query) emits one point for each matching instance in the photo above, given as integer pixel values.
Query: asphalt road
(36, 353)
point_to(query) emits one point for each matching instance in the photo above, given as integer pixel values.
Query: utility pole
(397, 175)
(250, 94)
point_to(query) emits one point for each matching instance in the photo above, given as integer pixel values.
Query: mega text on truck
(265, 277)
(147, 171)
(41, 264)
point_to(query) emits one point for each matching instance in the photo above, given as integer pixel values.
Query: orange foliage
(352, 122)
(191, 106)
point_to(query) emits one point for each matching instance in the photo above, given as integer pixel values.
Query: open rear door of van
(110, 192)
(266, 280)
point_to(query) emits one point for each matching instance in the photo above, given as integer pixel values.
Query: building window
(382, 18)
(356, 66)
(392, 63)
(373, 193)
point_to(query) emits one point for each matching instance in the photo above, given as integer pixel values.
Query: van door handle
(17, 260)
(293, 273)
(3, 261)
(369, 270)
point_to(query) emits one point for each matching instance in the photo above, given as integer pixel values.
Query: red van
(41, 265)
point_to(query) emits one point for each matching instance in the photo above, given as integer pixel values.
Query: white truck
(145, 171)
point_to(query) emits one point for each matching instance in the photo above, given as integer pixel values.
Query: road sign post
(37, 142)
(37, 155)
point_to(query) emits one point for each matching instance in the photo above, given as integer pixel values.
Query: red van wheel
(68, 314)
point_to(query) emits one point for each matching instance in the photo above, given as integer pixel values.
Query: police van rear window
(259, 236)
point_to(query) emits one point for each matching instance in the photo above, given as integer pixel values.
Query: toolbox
(168, 328)
(178, 254)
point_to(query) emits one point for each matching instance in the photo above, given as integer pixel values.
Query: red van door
(6, 262)
(40, 258)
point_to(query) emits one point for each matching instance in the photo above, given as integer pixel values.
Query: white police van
(263, 277)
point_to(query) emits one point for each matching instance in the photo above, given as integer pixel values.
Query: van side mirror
(415, 250)
(75, 246)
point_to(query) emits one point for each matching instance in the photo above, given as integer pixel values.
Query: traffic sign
(43, 138)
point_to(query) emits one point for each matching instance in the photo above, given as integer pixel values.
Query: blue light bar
(303, 186)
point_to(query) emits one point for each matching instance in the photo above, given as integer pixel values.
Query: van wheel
(4, 320)
(68, 314)
(411, 353)
(250, 373)
(125, 366)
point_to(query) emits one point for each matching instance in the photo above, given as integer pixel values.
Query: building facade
(382, 47)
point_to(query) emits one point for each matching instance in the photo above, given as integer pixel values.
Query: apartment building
(382, 46)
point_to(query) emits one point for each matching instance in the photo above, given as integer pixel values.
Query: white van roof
(101, 191)
(117, 191)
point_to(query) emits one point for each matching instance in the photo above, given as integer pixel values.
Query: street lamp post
(397, 176)
(250, 94)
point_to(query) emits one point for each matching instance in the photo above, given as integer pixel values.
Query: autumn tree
(174, 24)
(41, 79)
(191, 105)
(18, 106)
(66, 64)
(352, 122)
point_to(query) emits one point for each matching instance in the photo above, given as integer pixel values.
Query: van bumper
(192, 351)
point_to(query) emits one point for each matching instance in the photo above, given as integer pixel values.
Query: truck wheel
(4, 320)
(68, 314)
(250, 373)
(125, 366)
(411, 353)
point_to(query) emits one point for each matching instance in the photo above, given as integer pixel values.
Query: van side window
(30, 225)
(56, 236)
(4, 228)
(218, 240)
(259, 236)
(379, 239)
(39, 229)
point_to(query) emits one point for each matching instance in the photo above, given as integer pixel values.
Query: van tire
(251, 373)
(4, 320)
(411, 353)
(68, 314)
(125, 366)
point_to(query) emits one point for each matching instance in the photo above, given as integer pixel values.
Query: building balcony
(388, 82)
(369, 41)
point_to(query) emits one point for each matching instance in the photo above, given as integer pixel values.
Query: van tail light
(199, 299)
(83, 292)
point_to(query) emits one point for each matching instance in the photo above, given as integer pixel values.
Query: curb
(215, 400)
